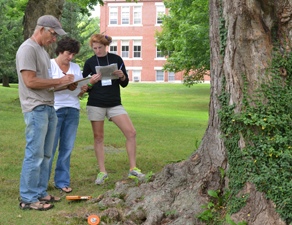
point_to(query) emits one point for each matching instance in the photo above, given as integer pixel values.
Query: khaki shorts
(98, 114)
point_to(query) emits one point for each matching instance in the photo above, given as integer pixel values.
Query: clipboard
(64, 85)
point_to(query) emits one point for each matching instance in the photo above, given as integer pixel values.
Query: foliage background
(185, 38)
(78, 24)
(76, 21)
(11, 13)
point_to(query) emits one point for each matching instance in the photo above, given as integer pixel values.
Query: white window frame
(171, 76)
(136, 75)
(113, 15)
(159, 54)
(156, 75)
(114, 44)
(125, 54)
(160, 11)
(137, 15)
(125, 15)
(137, 43)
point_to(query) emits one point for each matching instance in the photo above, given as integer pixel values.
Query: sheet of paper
(77, 90)
(62, 86)
(107, 71)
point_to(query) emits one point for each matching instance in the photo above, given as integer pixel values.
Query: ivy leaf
(222, 173)
(213, 194)
(229, 220)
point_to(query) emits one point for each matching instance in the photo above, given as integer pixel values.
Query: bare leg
(98, 133)
(125, 124)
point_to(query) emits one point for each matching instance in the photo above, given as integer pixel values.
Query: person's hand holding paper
(107, 71)
(73, 86)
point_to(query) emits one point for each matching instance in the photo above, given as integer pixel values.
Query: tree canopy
(185, 38)
(11, 13)
(75, 20)
(89, 3)
(77, 23)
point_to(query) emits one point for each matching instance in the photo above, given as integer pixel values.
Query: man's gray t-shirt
(33, 57)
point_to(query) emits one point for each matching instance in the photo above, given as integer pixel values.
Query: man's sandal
(52, 199)
(36, 206)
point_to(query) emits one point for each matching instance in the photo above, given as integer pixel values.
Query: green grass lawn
(169, 119)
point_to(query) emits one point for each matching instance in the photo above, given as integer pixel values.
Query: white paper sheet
(107, 71)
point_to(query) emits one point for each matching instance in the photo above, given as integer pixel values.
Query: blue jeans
(40, 133)
(68, 120)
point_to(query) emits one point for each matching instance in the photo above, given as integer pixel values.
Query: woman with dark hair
(105, 100)
(67, 109)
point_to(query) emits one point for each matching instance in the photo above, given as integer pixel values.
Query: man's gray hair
(39, 27)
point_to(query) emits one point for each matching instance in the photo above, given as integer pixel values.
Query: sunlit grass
(169, 120)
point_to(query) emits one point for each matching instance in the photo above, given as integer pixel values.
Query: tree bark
(248, 51)
(37, 8)
(182, 187)
(5, 81)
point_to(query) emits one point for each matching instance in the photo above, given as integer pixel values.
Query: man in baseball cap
(53, 22)
(37, 104)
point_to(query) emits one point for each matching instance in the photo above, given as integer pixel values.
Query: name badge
(50, 73)
(106, 82)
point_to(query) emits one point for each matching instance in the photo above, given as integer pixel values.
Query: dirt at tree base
(174, 197)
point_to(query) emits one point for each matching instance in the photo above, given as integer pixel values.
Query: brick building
(132, 27)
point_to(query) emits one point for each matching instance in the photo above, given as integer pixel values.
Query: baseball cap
(51, 21)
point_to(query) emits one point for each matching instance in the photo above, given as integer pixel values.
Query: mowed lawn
(170, 119)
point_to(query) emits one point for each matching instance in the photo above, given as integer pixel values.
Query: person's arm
(94, 79)
(31, 81)
(87, 70)
(84, 89)
(122, 74)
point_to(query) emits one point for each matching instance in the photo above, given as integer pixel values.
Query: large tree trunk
(36, 9)
(248, 52)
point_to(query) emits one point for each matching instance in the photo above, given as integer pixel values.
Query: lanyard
(42, 50)
(98, 60)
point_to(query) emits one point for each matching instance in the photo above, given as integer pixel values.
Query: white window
(113, 15)
(125, 49)
(159, 75)
(137, 17)
(137, 49)
(125, 15)
(136, 75)
(160, 11)
(171, 76)
(159, 53)
(113, 47)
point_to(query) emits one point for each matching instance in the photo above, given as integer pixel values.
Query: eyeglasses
(54, 34)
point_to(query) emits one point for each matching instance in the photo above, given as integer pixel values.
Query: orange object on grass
(77, 197)
(93, 220)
